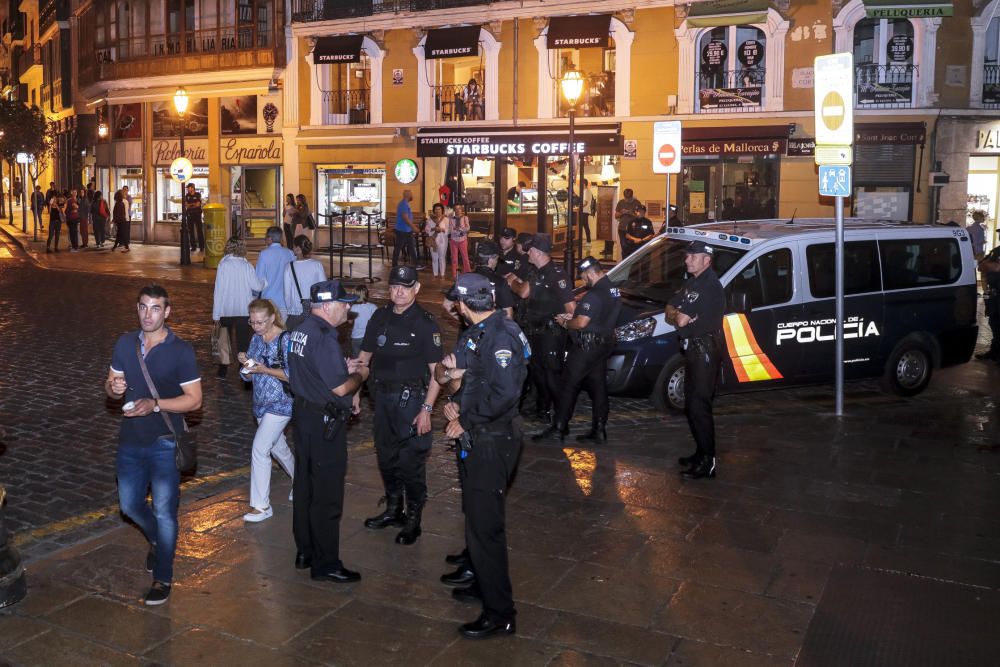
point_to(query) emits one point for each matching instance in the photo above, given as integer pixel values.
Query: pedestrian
(322, 383)
(300, 275)
(127, 198)
(436, 231)
(404, 231)
(119, 217)
(638, 232)
(236, 283)
(266, 362)
(487, 371)
(51, 192)
(38, 203)
(288, 219)
(402, 344)
(588, 207)
(548, 293)
(85, 204)
(696, 310)
(193, 220)
(72, 210)
(100, 214)
(305, 224)
(990, 268)
(591, 339)
(625, 210)
(152, 415)
(363, 311)
(977, 234)
(271, 264)
(459, 240)
(57, 215)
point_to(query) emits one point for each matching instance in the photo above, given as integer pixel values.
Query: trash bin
(216, 234)
(13, 586)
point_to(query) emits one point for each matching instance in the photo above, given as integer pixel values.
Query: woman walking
(288, 219)
(72, 220)
(301, 275)
(235, 284)
(460, 240)
(266, 363)
(57, 215)
(305, 224)
(120, 219)
(100, 215)
(436, 230)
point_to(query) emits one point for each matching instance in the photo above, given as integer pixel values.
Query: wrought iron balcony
(596, 100)
(347, 107)
(884, 86)
(731, 91)
(451, 103)
(322, 10)
(991, 86)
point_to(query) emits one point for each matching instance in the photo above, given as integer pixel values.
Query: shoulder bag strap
(152, 387)
(298, 289)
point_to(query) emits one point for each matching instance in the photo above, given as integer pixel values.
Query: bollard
(13, 586)
(216, 234)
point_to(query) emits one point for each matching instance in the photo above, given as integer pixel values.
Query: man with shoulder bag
(156, 373)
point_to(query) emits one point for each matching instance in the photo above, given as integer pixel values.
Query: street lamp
(572, 88)
(181, 104)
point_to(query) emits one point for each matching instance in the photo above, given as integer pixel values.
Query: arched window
(731, 63)
(597, 66)
(883, 62)
(346, 81)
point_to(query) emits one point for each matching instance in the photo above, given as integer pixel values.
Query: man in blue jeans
(404, 231)
(145, 443)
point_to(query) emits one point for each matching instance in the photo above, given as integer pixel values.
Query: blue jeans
(142, 468)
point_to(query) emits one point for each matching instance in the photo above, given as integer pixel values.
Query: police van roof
(746, 233)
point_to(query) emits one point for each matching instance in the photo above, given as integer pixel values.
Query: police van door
(863, 312)
(755, 358)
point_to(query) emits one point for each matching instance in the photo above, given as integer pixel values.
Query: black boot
(598, 433)
(705, 468)
(552, 431)
(393, 514)
(688, 461)
(411, 529)
(459, 558)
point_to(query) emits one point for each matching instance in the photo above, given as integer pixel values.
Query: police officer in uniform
(696, 310)
(548, 293)
(323, 385)
(638, 231)
(510, 258)
(591, 339)
(403, 344)
(489, 365)
(989, 266)
(487, 261)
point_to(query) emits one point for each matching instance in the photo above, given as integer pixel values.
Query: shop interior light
(102, 130)
(181, 100)
(480, 168)
(572, 86)
(608, 172)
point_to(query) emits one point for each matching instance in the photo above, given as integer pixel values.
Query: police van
(910, 305)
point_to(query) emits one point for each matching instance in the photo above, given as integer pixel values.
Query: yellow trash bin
(216, 234)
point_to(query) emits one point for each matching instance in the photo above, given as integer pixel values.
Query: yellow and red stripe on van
(749, 362)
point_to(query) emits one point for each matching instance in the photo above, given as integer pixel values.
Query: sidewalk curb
(20, 244)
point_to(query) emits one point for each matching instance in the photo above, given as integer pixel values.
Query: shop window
(597, 66)
(883, 63)
(767, 281)
(991, 66)
(920, 263)
(731, 69)
(861, 269)
(357, 191)
(984, 192)
(347, 93)
(169, 192)
(729, 189)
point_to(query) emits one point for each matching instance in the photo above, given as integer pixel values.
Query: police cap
(403, 275)
(469, 285)
(588, 263)
(524, 238)
(487, 248)
(698, 248)
(542, 243)
(508, 233)
(330, 290)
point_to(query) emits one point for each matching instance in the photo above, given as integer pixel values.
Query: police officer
(548, 292)
(402, 343)
(989, 266)
(489, 365)
(591, 339)
(696, 310)
(510, 258)
(323, 385)
(638, 231)
(486, 260)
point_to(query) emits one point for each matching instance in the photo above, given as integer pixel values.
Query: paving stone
(198, 646)
(622, 642)
(701, 654)
(68, 650)
(121, 626)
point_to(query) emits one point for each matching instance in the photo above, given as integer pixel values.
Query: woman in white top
(235, 285)
(301, 274)
(436, 228)
(460, 240)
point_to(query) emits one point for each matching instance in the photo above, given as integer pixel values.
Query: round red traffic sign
(666, 154)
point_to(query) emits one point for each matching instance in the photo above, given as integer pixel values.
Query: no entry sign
(667, 147)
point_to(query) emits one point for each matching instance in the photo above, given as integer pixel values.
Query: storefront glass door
(255, 200)
(731, 188)
(983, 190)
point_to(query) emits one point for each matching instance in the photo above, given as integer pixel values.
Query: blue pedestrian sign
(834, 181)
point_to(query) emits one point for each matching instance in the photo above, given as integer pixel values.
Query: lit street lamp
(181, 104)
(572, 88)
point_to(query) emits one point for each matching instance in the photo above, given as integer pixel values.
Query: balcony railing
(731, 91)
(884, 86)
(991, 86)
(29, 57)
(596, 100)
(347, 107)
(322, 10)
(455, 103)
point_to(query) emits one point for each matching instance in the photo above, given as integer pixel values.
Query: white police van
(910, 305)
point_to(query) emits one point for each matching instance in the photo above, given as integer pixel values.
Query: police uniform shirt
(550, 289)
(316, 363)
(701, 297)
(502, 296)
(510, 262)
(601, 304)
(640, 228)
(494, 354)
(193, 198)
(402, 345)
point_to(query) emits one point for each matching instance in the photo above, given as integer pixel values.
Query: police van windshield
(654, 273)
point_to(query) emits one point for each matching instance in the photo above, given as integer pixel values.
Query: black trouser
(288, 234)
(241, 327)
(404, 239)
(196, 230)
(99, 231)
(584, 369)
(585, 225)
(701, 370)
(55, 228)
(320, 468)
(74, 233)
(402, 455)
(993, 318)
(545, 366)
(485, 474)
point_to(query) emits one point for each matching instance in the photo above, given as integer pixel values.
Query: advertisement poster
(126, 121)
(269, 113)
(729, 98)
(631, 149)
(885, 93)
(166, 122)
(239, 114)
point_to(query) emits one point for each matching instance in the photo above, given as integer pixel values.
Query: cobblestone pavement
(614, 559)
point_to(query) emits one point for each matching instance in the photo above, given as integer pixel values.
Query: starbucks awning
(712, 13)
(911, 9)
(452, 42)
(577, 32)
(338, 50)
(521, 142)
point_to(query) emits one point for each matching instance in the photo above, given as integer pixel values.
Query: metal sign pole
(666, 205)
(839, 373)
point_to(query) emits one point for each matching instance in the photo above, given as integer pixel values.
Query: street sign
(25, 158)
(181, 170)
(843, 155)
(834, 181)
(667, 147)
(834, 108)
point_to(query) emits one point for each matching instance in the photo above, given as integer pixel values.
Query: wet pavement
(614, 559)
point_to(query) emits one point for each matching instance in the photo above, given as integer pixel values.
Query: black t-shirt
(550, 291)
(601, 304)
(701, 297)
(316, 363)
(511, 262)
(494, 354)
(502, 296)
(641, 229)
(402, 345)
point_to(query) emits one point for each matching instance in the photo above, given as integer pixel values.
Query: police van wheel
(909, 369)
(668, 392)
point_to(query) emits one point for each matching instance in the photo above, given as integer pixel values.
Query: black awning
(577, 32)
(452, 42)
(522, 141)
(337, 50)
